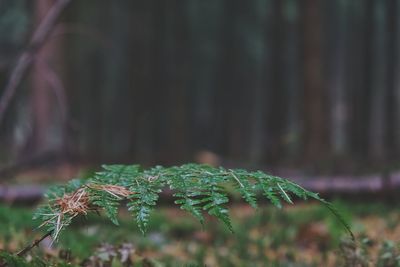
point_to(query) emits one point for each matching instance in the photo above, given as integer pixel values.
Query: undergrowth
(302, 235)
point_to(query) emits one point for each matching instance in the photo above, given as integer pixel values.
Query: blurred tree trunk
(48, 126)
(116, 98)
(359, 73)
(206, 21)
(260, 46)
(177, 71)
(315, 105)
(292, 78)
(142, 55)
(396, 79)
(229, 139)
(338, 87)
(379, 83)
(161, 69)
(85, 61)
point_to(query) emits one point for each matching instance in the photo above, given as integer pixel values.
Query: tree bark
(338, 45)
(379, 84)
(292, 81)
(315, 121)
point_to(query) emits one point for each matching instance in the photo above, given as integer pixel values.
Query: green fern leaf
(190, 205)
(108, 202)
(117, 174)
(283, 193)
(243, 185)
(142, 214)
(186, 189)
(268, 191)
(214, 205)
(146, 188)
(197, 189)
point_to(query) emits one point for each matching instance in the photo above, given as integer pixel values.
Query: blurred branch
(34, 244)
(26, 58)
(55, 83)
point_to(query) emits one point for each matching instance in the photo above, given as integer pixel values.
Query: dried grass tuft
(78, 202)
(115, 190)
(74, 203)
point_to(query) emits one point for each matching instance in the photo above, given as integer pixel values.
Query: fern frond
(146, 189)
(214, 202)
(332, 209)
(109, 203)
(244, 186)
(190, 205)
(186, 189)
(197, 189)
(117, 174)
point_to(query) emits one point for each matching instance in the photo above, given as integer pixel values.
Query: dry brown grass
(78, 203)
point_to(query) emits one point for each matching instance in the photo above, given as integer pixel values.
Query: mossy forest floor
(299, 235)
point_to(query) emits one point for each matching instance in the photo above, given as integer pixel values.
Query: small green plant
(197, 189)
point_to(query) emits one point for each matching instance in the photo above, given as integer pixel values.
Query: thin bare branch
(26, 58)
(34, 244)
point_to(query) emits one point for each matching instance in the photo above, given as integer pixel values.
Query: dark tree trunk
(292, 79)
(379, 83)
(337, 77)
(315, 101)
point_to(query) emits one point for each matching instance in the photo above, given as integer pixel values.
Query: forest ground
(305, 234)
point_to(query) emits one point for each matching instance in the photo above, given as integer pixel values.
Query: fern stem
(237, 179)
(34, 244)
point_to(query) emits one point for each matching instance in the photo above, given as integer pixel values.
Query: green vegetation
(197, 189)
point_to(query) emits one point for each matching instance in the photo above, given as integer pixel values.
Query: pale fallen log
(380, 185)
(21, 193)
